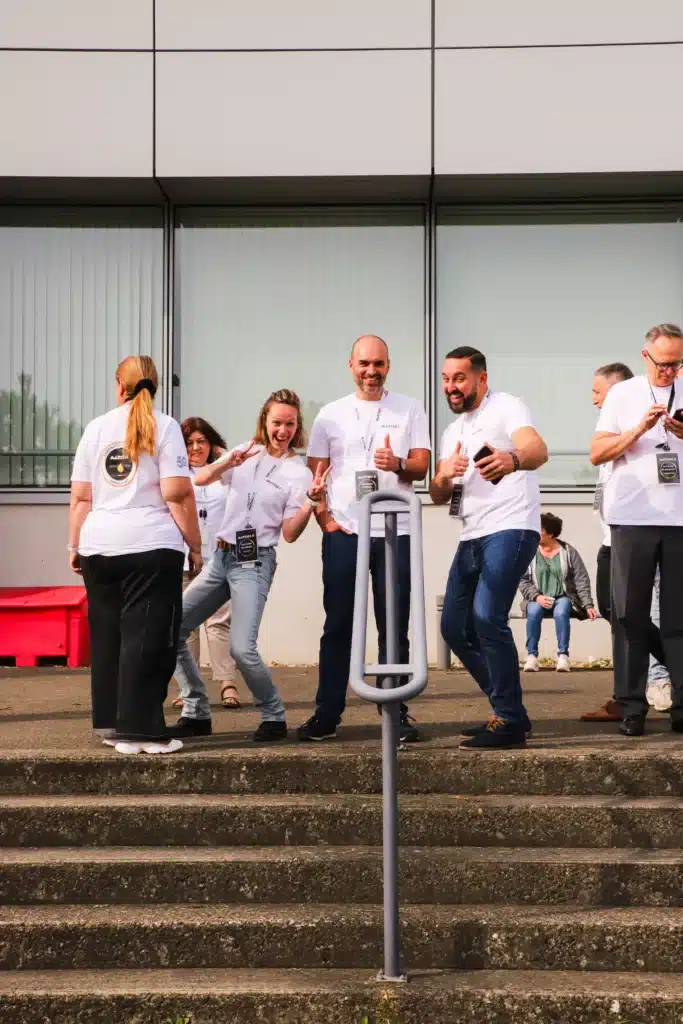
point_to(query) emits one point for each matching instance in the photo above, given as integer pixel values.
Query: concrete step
(436, 820)
(333, 874)
(534, 771)
(317, 936)
(338, 997)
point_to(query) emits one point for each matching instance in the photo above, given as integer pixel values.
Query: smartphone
(678, 416)
(481, 454)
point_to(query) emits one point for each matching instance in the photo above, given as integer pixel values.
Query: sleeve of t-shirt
(608, 420)
(172, 452)
(318, 442)
(419, 429)
(84, 459)
(297, 492)
(517, 415)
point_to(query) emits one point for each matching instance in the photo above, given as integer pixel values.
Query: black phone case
(481, 454)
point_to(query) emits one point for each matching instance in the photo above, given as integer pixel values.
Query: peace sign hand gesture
(318, 488)
(238, 456)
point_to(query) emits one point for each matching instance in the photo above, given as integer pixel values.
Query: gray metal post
(390, 503)
(390, 739)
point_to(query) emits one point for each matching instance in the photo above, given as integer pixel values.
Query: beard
(465, 405)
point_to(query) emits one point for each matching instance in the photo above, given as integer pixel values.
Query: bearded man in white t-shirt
(372, 439)
(640, 434)
(487, 471)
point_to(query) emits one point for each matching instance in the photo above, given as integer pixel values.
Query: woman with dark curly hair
(270, 491)
(204, 444)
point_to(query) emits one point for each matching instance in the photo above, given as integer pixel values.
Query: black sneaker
(632, 725)
(408, 732)
(315, 730)
(475, 730)
(188, 727)
(497, 735)
(270, 732)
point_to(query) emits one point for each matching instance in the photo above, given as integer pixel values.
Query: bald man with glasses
(640, 432)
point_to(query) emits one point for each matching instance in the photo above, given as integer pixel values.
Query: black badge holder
(456, 500)
(367, 480)
(668, 468)
(598, 497)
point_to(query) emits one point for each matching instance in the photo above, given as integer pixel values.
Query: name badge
(456, 500)
(668, 469)
(367, 481)
(597, 497)
(246, 547)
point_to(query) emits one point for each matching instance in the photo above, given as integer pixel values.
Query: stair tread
(309, 915)
(207, 982)
(58, 855)
(422, 802)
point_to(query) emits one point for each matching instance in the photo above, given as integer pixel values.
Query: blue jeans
(247, 585)
(657, 673)
(339, 586)
(481, 587)
(561, 611)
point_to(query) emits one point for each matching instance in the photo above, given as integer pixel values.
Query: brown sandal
(230, 701)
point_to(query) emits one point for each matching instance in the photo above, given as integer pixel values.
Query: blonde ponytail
(138, 374)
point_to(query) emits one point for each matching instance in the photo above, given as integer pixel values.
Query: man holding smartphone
(487, 472)
(640, 433)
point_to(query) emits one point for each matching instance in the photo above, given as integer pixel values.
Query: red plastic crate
(44, 622)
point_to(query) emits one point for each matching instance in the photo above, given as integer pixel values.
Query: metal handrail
(390, 503)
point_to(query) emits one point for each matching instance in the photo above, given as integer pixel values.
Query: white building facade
(241, 189)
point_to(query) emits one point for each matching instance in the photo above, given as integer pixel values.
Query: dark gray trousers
(636, 553)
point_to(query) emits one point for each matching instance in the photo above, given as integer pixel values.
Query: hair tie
(145, 384)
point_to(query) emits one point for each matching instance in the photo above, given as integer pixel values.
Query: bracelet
(312, 501)
(515, 460)
(71, 549)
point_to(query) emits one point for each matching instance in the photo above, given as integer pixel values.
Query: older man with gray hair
(640, 432)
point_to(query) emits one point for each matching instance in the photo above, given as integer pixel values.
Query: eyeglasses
(674, 367)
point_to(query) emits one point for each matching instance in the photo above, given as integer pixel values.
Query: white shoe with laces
(563, 663)
(659, 694)
(124, 747)
(531, 663)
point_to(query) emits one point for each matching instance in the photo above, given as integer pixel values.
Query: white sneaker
(531, 663)
(149, 748)
(110, 743)
(563, 663)
(659, 694)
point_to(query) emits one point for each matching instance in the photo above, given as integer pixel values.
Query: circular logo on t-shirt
(118, 469)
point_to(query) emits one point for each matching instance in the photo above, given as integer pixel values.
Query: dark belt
(223, 545)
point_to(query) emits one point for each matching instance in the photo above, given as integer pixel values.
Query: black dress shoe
(188, 727)
(633, 725)
(270, 732)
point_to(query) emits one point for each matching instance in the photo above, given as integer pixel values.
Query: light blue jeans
(561, 611)
(247, 585)
(657, 673)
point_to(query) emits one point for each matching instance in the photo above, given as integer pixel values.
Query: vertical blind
(78, 293)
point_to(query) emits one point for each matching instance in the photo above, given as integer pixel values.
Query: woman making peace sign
(270, 491)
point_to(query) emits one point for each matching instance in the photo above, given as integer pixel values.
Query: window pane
(78, 292)
(549, 299)
(266, 301)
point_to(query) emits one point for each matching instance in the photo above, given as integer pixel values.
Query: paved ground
(49, 710)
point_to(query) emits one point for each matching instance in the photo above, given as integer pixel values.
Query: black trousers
(603, 583)
(636, 553)
(135, 607)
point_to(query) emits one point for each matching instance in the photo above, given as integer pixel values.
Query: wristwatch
(402, 463)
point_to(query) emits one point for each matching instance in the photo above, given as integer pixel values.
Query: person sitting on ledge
(555, 584)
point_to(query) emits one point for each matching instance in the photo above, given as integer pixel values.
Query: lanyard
(473, 421)
(364, 440)
(664, 445)
(251, 496)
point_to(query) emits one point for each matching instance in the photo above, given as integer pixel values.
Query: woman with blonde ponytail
(132, 512)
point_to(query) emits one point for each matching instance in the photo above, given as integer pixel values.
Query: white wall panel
(76, 114)
(540, 111)
(543, 22)
(76, 24)
(293, 114)
(292, 24)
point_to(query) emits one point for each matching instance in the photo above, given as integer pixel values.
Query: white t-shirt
(633, 494)
(604, 473)
(515, 502)
(211, 500)
(128, 512)
(348, 431)
(279, 490)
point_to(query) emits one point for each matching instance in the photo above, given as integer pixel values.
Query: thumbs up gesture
(385, 458)
(456, 464)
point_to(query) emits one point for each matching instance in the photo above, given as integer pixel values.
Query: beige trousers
(217, 632)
